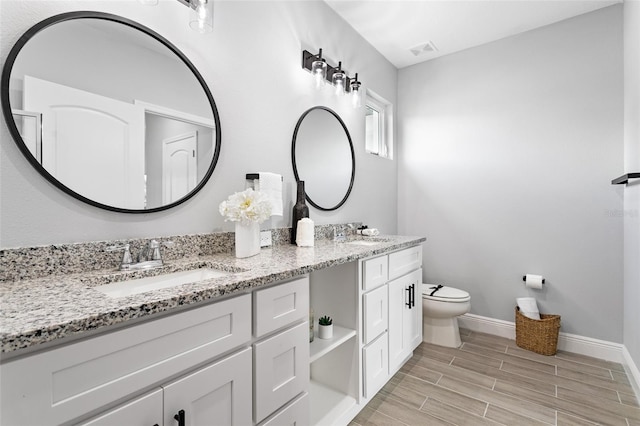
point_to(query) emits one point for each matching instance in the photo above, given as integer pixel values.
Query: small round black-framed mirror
(127, 136)
(323, 157)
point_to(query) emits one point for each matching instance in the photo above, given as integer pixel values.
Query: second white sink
(141, 285)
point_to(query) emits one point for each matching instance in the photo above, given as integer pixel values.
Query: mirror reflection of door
(162, 125)
(92, 142)
(179, 166)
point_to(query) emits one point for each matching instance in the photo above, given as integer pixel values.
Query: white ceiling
(394, 27)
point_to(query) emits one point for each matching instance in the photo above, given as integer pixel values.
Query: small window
(378, 126)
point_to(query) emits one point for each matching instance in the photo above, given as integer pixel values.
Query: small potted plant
(325, 329)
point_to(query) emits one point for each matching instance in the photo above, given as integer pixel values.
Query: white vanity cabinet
(375, 331)
(198, 365)
(392, 305)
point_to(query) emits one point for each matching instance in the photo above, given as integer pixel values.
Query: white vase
(325, 331)
(247, 239)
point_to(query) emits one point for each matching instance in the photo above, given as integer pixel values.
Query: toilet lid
(445, 293)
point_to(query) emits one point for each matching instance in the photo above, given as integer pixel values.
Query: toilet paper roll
(533, 281)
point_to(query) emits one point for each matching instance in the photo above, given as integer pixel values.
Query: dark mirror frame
(353, 156)
(13, 129)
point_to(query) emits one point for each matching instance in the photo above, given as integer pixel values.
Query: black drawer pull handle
(180, 417)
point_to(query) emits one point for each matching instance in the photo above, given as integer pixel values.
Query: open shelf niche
(334, 363)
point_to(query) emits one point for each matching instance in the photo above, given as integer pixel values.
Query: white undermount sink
(141, 285)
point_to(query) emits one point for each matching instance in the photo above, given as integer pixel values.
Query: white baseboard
(632, 372)
(567, 342)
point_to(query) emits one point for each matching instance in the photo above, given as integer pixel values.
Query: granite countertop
(42, 310)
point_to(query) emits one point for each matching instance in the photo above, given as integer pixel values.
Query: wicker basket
(540, 336)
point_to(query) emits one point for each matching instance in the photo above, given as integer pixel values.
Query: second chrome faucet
(149, 257)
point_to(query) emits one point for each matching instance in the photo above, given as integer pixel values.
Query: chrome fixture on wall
(336, 76)
(201, 16)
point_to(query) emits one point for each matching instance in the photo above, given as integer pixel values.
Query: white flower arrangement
(246, 207)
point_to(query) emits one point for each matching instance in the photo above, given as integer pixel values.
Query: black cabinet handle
(408, 289)
(413, 295)
(180, 417)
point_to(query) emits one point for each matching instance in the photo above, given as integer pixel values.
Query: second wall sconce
(323, 73)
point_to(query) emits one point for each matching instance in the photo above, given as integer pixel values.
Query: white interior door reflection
(179, 166)
(91, 142)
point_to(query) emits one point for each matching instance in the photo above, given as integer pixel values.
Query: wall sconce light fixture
(322, 72)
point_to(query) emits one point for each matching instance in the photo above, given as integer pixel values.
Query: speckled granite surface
(39, 310)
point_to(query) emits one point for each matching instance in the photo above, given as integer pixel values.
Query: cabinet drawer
(375, 272)
(404, 261)
(143, 411)
(281, 369)
(296, 413)
(375, 364)
(59, 385)
(278, 306)
(375, 313)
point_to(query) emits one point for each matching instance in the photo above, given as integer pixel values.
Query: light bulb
(202, 16)
(319, 71)
(356, 98)
(338, 80)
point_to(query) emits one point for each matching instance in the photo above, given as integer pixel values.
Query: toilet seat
(445, 294)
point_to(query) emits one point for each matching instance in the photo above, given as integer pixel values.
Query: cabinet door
(218, 394)
(143, 411)
(415, 331)
(405, 317)
(375, 313)
(375, 365)
(281, 369)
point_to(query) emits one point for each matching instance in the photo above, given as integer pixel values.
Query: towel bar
(625, 178)
(253, 176)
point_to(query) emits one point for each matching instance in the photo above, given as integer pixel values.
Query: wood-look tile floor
(491, 381)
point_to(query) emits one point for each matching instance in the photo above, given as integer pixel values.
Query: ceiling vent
(424, 48)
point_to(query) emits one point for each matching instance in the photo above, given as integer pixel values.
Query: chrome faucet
(339, 233)
(149, 257)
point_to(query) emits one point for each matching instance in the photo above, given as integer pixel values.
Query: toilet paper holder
(524, 278)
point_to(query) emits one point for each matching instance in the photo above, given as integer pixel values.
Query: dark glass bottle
(300, 210)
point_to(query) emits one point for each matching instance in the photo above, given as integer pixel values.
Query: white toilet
(440, 312)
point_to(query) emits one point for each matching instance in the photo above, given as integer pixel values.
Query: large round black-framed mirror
(323, 157)
(154, 130)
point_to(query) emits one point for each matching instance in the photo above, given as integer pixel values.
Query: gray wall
(632, 191)
(506, 156)
(258, 113)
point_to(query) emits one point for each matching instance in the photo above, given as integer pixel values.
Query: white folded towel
(270, 184)
(370, 232)
(528, 307)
